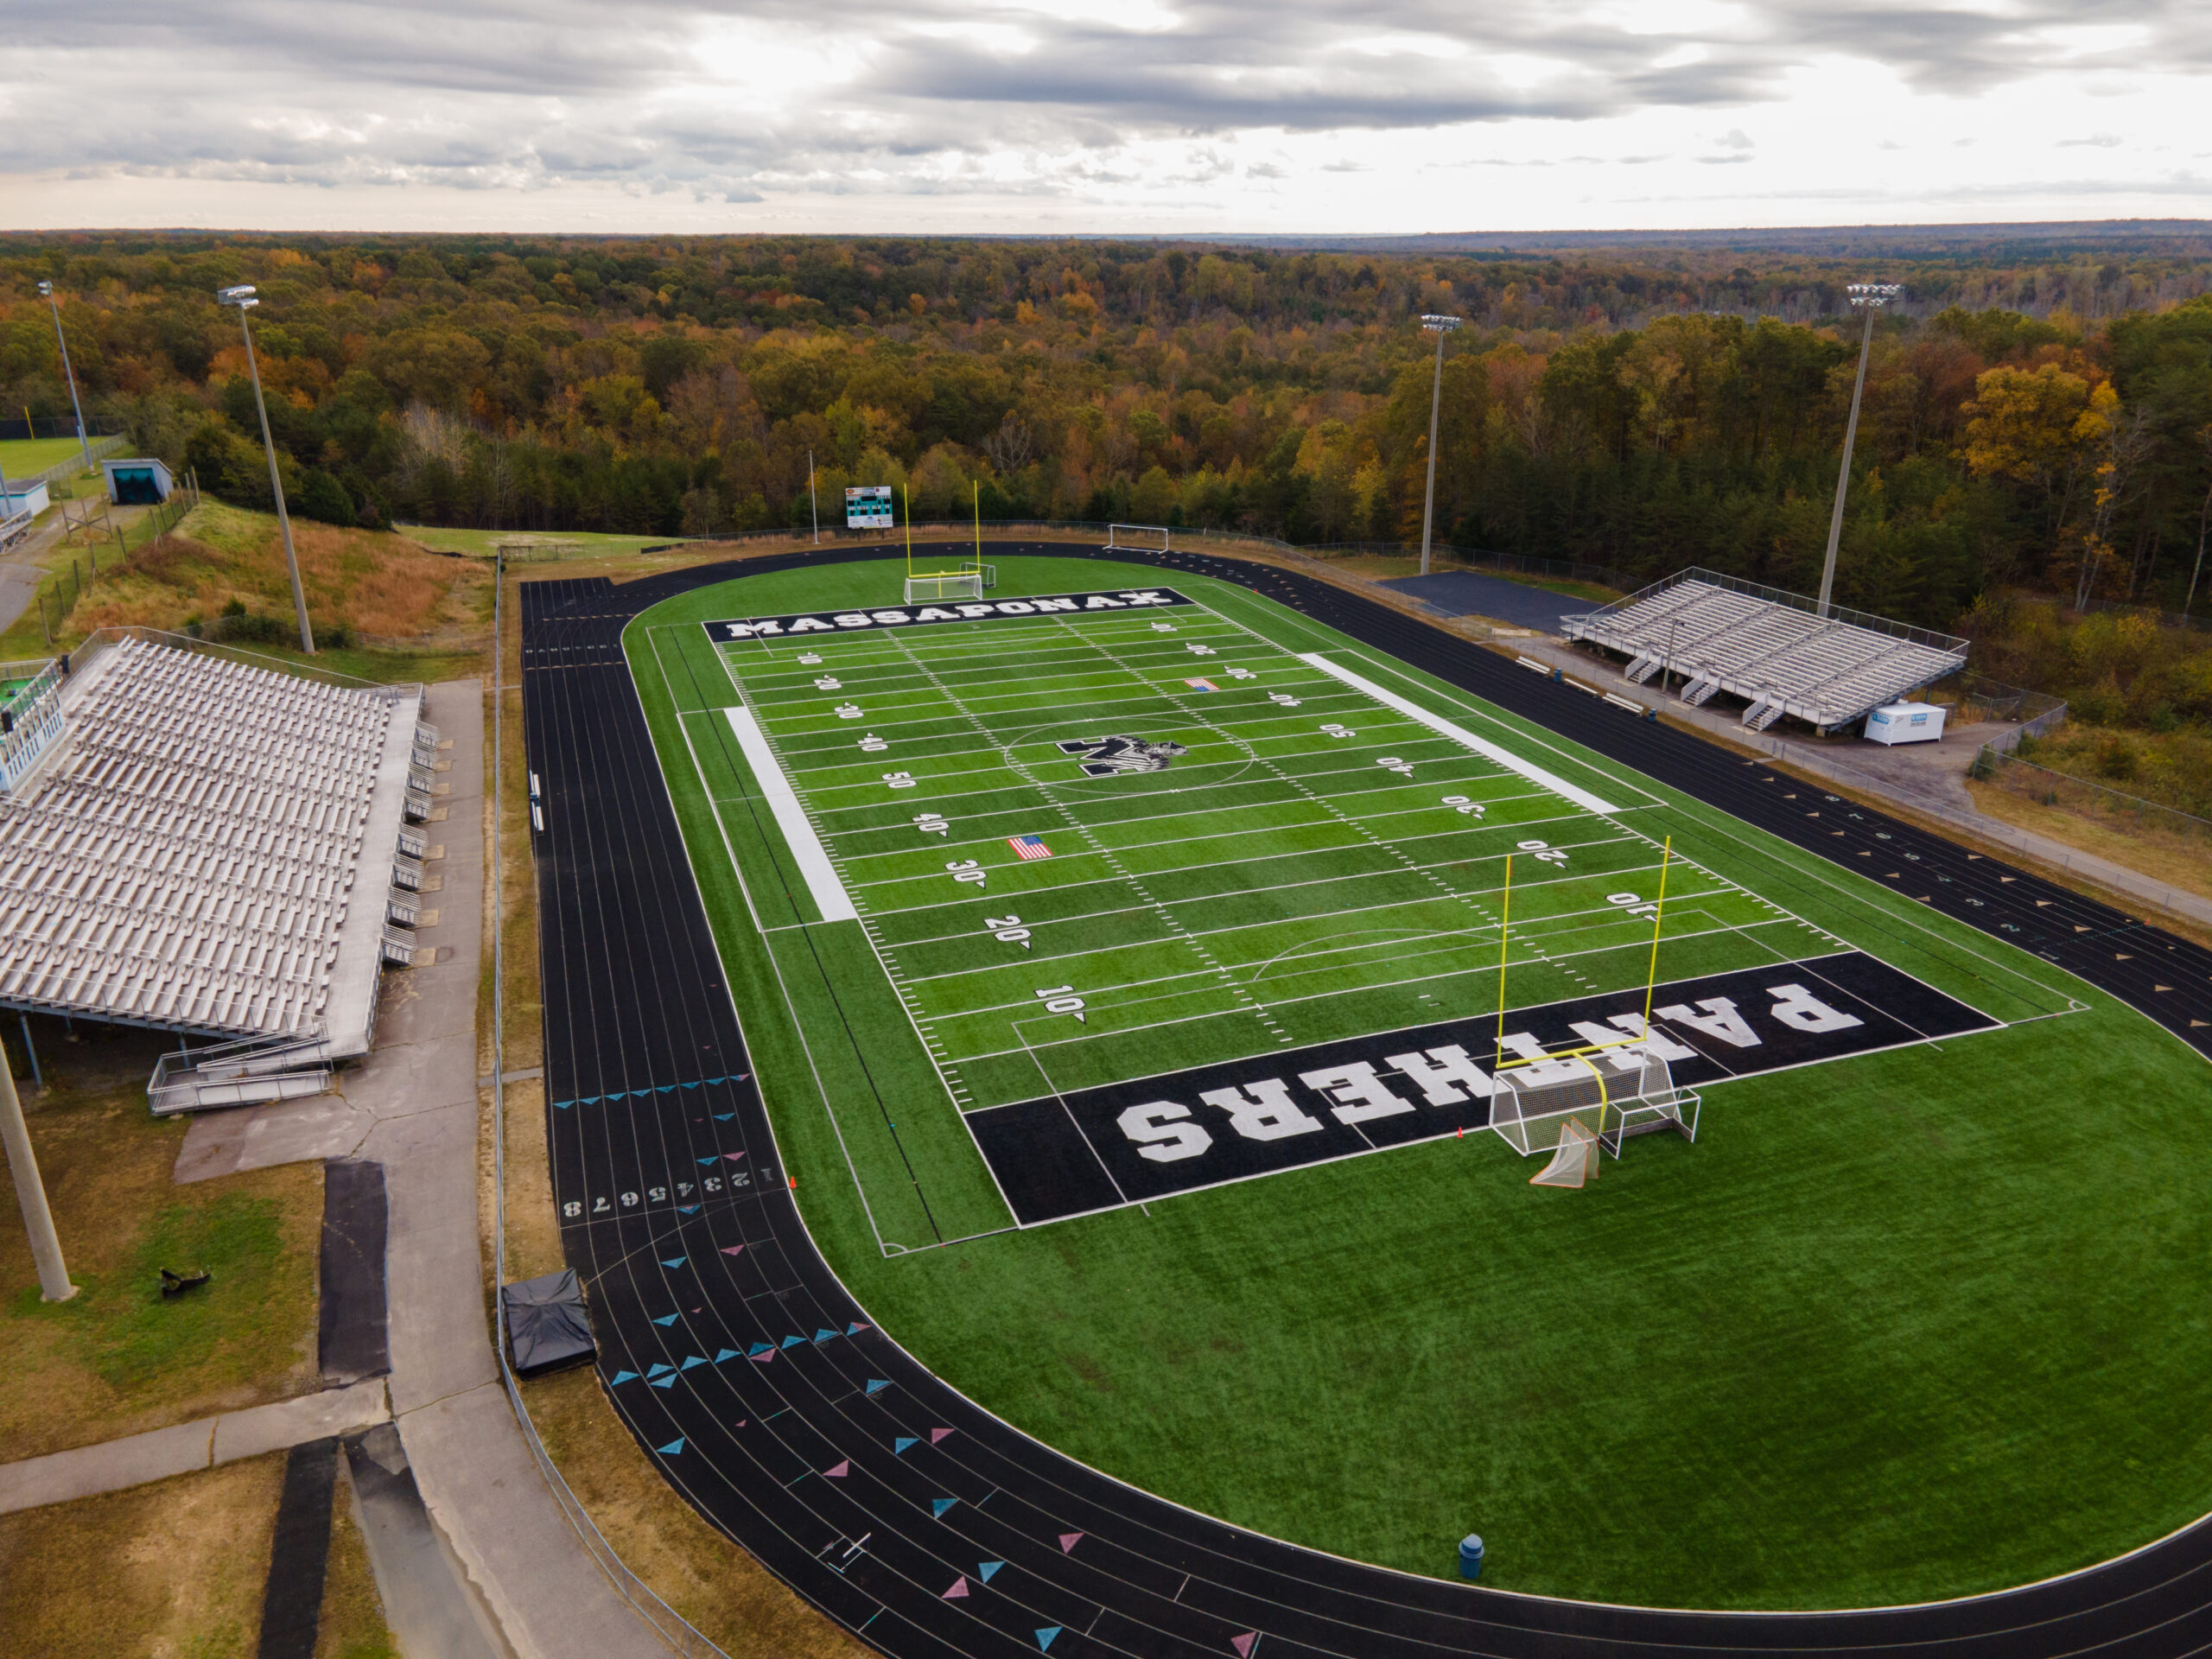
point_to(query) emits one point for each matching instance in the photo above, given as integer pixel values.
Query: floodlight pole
(244, 300)
(83, 438)
(1439, 326)
(53, 1284)
(813, 502)
(1869, 297)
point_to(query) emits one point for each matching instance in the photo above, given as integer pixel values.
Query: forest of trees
(2047, 428)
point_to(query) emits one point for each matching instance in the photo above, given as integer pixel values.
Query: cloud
(745, 104)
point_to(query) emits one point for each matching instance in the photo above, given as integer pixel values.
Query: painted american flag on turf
(1028, 847)
(1202, 685)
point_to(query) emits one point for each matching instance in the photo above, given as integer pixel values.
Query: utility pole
(83, 438)
(31, 1193)
(813, 504)
(1439, 326)
(241, 297)
(1869, 297)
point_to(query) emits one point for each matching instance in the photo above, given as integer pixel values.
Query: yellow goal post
(965, 578)
(1610, 1090)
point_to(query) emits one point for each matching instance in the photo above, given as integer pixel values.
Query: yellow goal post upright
(965, 578)
(1598, 1092)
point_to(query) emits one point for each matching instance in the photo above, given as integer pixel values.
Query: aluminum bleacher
(210, 848)
(1772, 649)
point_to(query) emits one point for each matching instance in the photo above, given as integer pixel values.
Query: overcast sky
(1009, 116)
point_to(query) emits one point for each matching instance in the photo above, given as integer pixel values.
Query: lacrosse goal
(1146, 539)
(1607, 1092)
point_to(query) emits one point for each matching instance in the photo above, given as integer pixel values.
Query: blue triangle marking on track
(939, 1505)
(708, 1163)
(794, 1342)
(823, 1336)
(985, 1571)
(875, 1382)
(690, 1085)
(675, 1261)
(562, 1105)
(623, 1376)
(727, 1353)
(1045, 1638)
(672, 1448)
(686, 1209)
(724, 1117)
(695, 1359)
(854, 1330)
(659, 1367)
(762, 1348)
(666, 1318)
(668, 1381)
(899, 1443)
(664, 1088)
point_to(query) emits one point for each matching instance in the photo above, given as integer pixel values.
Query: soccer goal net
(1607, 1092)
(1152, 539)
(954, 584)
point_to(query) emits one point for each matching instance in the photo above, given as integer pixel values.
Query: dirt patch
(171, 1571)
(2178, 860)
(730, 1598)
(117, 1358)
(352, 1622)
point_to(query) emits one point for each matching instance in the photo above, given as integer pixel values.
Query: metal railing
(100, 640)
(101, 447)
(1951, 644)
(669, 1625)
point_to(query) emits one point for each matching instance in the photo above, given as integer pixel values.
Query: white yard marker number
(933, 823)
(1544, 851)
(899, 780)
(1461, 803)
(1391, 763)
(849, 711)
(1339, 731)
(967, 869)
(874, 745)
(1056, 1000)
(1007, 928)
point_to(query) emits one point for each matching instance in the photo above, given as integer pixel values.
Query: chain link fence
(2086, 799)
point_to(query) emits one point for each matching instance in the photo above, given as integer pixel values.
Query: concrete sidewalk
(135, 1459)
(414, 1106)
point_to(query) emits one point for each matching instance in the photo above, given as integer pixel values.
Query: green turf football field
(1884, 1332)
(20, 457)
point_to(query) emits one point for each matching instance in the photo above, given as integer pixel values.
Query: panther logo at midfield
(1105, 756)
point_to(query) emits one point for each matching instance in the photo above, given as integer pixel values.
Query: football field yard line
(1470, 934)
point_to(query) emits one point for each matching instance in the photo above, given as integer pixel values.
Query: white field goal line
(1138, 538)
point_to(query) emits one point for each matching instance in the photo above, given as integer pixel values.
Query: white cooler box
(1906, 722)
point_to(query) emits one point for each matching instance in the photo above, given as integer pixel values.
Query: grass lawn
(20, 457)
(1878, 1336)
(175, 1569)
(115, 1359)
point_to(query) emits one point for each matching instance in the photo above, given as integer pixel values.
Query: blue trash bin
(1470, 1556)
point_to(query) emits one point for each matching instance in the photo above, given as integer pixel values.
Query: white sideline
(829, 895)
(1504, 757)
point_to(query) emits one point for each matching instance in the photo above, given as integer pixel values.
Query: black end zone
(1125, 1143)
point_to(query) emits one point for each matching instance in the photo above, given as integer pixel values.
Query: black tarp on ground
(1468, 593)
(352, 1338)
(291, 1606)
(547, 1325)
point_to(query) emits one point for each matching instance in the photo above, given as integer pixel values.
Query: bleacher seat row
(1780, 658)
(190, 857)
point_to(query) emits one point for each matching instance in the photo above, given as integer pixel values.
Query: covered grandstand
(207, 846)
(1771, 648)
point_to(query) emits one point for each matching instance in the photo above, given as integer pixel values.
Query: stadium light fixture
(1439, 326)
(68, 373)
(242, 297)
(1869, 297)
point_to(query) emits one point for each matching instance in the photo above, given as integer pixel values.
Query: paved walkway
(158, 1453)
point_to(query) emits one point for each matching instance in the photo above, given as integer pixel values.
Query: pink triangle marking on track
(1069, 1541)
(1244, 1643)
(732, 1249)
(959, 1588)
(732, 1157)
(937, 1434)
(839, 1471)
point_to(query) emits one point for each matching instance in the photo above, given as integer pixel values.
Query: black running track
(769, 1401)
